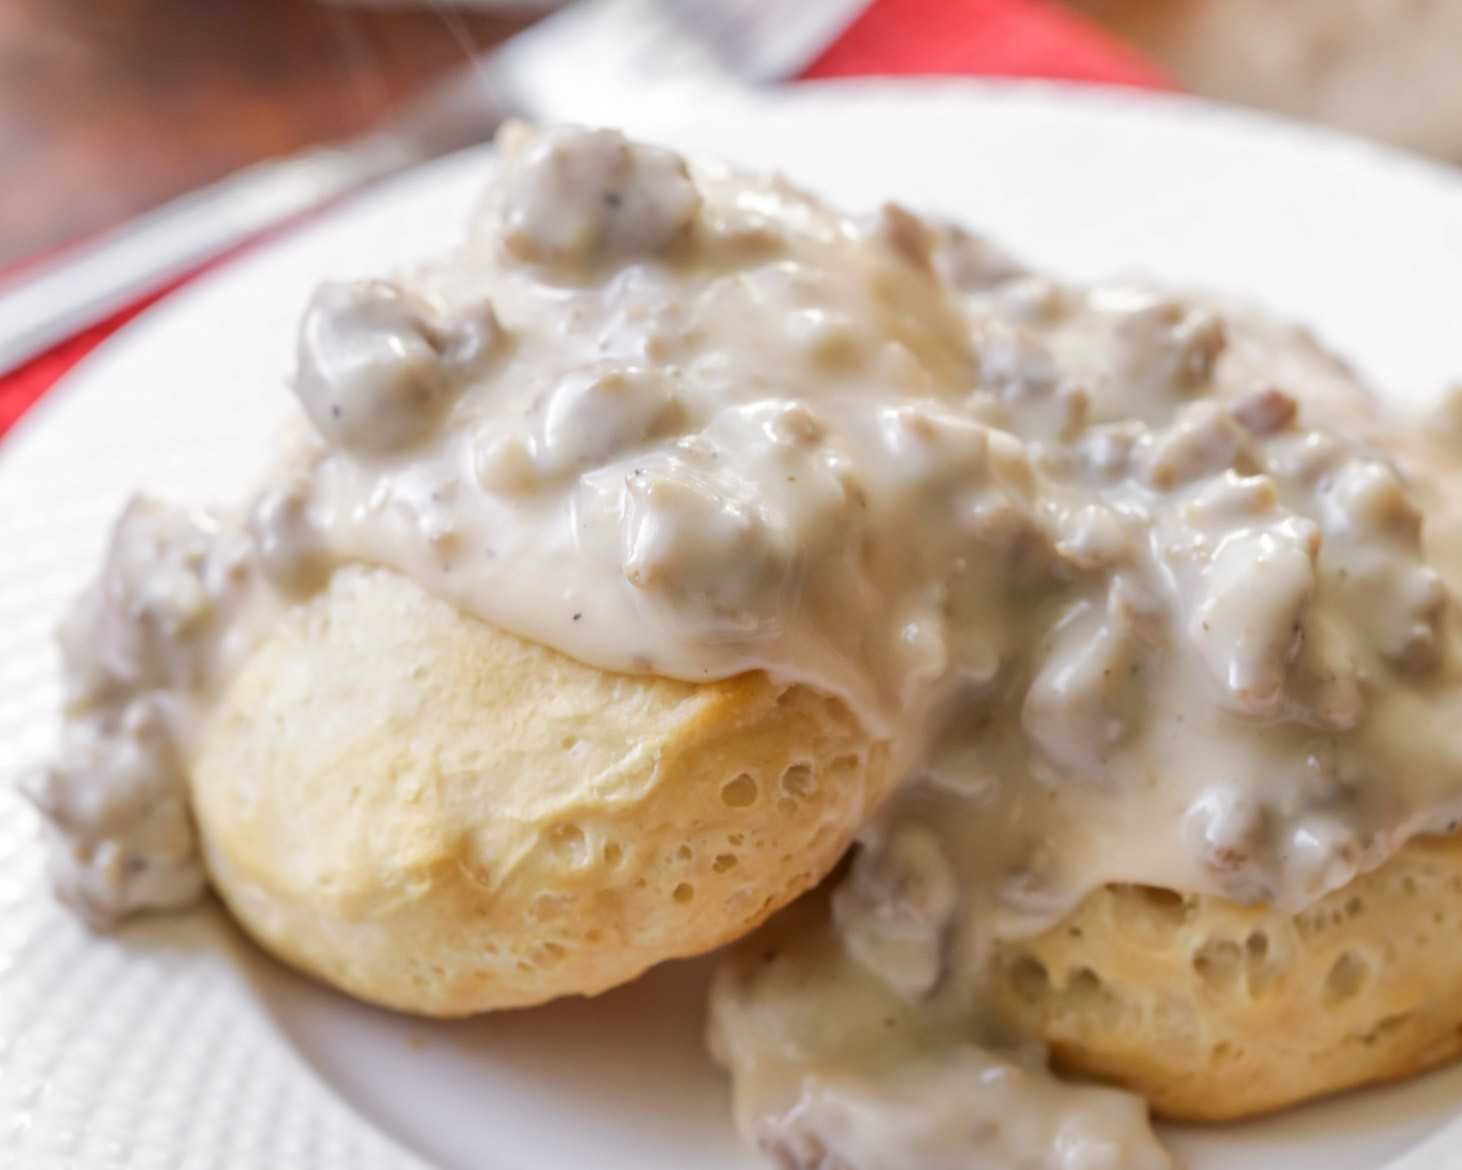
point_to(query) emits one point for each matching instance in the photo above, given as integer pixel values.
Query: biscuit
(440, 817)
(1215, 1011)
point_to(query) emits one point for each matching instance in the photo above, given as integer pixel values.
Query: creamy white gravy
(1138, 592)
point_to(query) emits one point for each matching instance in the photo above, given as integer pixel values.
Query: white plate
(175, 1044)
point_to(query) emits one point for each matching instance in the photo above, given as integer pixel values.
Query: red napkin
(985, 38)
(1000, 38)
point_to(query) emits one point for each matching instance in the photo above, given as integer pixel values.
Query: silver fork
(609, 60)
(767, 40)
(595, 61)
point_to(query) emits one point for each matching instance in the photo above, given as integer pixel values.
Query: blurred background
(110, 107)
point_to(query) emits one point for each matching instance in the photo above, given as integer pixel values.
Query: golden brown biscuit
(1215, 1011)
(438, 816)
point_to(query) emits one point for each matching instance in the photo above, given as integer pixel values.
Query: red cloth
(999, 38)
(988, 38)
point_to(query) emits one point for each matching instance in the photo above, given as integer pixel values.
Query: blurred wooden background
(108, 107)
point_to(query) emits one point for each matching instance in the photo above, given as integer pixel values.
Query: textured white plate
(175, 1044)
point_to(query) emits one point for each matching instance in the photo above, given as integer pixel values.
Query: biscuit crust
(438, 816)
(1215, 1011)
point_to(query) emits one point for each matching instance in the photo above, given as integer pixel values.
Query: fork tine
(765, 40)
(603, 60)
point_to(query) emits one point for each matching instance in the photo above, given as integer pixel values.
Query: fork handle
(50, 301)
